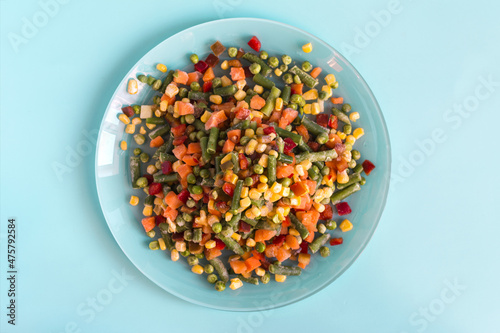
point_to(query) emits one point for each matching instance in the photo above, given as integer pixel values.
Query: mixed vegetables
(239, 168)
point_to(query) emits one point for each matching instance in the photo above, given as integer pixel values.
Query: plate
(114, 190)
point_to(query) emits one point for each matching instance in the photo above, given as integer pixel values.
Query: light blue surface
(440, 226)
(113, 175)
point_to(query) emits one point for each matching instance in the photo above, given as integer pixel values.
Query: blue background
(432, 264)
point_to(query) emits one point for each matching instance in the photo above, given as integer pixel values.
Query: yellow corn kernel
(319, 207)
(250, 242)
(132, 87)
(124, 119)
(263, 179)
(204, 118)
(249, 132)
(210, 244)
(134, 200)
(240, 95)
(358, 132)
(345, 225)
(254, 194)
(285, 246)
(278, 105)
(136, 121)
(268, 194)
(163, 106)
(245, 202)
(261, 147)
(235, 284)
(226, 158)
(142, 130)
(180, 246)
(171, 90)
(341, 135)
(130, 129)
(273, 153)
(262, 187)
(216, 99)
(285, 191)
(295, 201)
(300, 170)
(233, 179)
(263, 160)
(276, 187)
(211, 204)
(250, 147)
(259, 271)
(161, 242)
(197, 269)
(310, 94)
(174, 255)
(278, 72)
(293, 232)
(350, 139)
(255, 211)
(257, 114)
(147, 211)
(151, 169)
(224, 65)
(287, 211)
(258, 89)
(330, 79)
(244, 192)
(315, 110)
(226, 81)
(328, 181)
(249, 214)
(354, 116)
(264, 211)
(158, 113)
(328, 90)
(228, 173)
(275, 197)
(123, 145)
(306, 164)
(240, 84)
(279, 277)
(161, 67)
(307, 108)
(158, 201)
(150, 126)
(342, 177)
(236, 236)
(228, 216)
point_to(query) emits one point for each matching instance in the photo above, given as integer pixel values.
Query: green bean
(304, 233)
(342, 194)
(341, 116)
(265, 278)
(353, 178)
(307, 79)
(285, 270)
(149, 201)
(236, 162)
(165, 178)
(267, 225)
(319, 242)
(197, 235)
(347, 129)
(262, 81)
(164, 229)
(199, 125)
(135, 170)
(235, 204)
(245, 219)
(231, 244)
(362, 181)
(155, 121)
(320, 156)
(226, 91)
(220, 269)
(265, 69)
(252, 279)
(205, 155)
(285, 94)
(313, 173)
(217, 164)
(159, 131)
(271, 169)
(270, 101)
(167, 157)
(241, 125)
(253, 125)
(233, 223)
(169, 243)
(358, 169)
(297, 138)
(313, 127)
(167, 81)
(198, 95)
(212, 140)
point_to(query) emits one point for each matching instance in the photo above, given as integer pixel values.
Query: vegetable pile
(238, 167)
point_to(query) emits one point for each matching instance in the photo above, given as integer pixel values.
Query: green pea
(355, 154)
(187, 217)
(212, 278)
(255, 68)
(183, 92)
(293, 106)
(156, 85)
(154, 245)
(286, 182)
(347, 129)
(200, 255)
(306, 66)
(142, 182)
(335, 85)
(195, 86)
(362, 181)
(295, 98)
(258, 169)
(137, 151)
(188, 235)
(263, 55)
(346, 107)
(192, 260)
(302, 102)
(324, 251)
(273, 62)
(192, 136)
(216, 82)
(185, 253)
(283, 67)
(321, 228)
(200, 135)
(144, 157)
(296, 79)
(323, 95)
(352, 164)
(322, 138)
(325, 171)
(190, 203)
(248, 181)
(232, 52)
(288, 127)
(139, 139)
(191, 179)
(244, 140)
(288, 78)
(220, 286)
(183, 120)
(209, 269)
(194, 58)
(221, 143)
(217, 227)
(197, 189)
(142, 78)
(331, 225)
(265, 278)
(151, 233)
(179, 188)
(287, 60)
(196, 170)
(260, 247)
(204, 173)
(137, 109)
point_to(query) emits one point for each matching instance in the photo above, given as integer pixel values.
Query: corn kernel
(259, 271)
(258, 89)
(130, 129)
(158, 113)
(319, 207)
(151, 169)
(161, 67)
(342, 177)
(158, 201)
(263, 160)
(197, 269)
(136, 121)
(204, 118)
(261, 147)
(276, 187)
(310, 94)
(341, 135)
(249, 132)
(264, 211)
(345, 226)
(150, 126)
(240, 95)
(123, 145)
(293, 232)
(224, 65)
(233, 179)
(254, 194)
(306, 164)
(273, 153)
(244, 192)
(124, 119)
(246, 202)
(350, 139)
(161, 242)
(163, 106)
(174, 255)
(263, 179)
(228, 216)
(358, 132)
(175, 165)
(307, 108)
(300, 170)
(250, 242)
(279, 277)
(278, 72)
(250, 147)
(216, 99)
(235, 284)
(268, 194)
(226, 158)
(285, 246)
(315, 109)
(255, 211)
(226, 81)
(287, 211)
(262, 187)
(180, 246)
(236, 236)
(240, 84)
(275, 197)
(330, 79)
(249, 214)
(172, 90)
(210, 244)
(132, 87)
(279, 104)
(147, 211)
(284, 192)
(142, 130)
(354, 116)
(328, 90)
(134, 200)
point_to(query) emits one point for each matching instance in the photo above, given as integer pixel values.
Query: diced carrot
(190, 160)
(310, 217)
(258, 255)
(170, 100)
(148, 223)
(302, 130)
(214, 212)
(193, 77)
(185, 108)
(275, 117)
(292, 242)
(333, 139)
(284, 230)
(304, 259)
(289, 115)
(337, 100)
(172, 200)
(209, 75)
(196, 197)
(312, 229)
(342, 165)
(156, 142)
(283, 254)
(237, 73)
(311, 184)
(315, 72)
(262, 235)
(234, 135)
(215, 119)
(184, 170)
(283, 171)
(170, 213)
(246, 255)
(299, 188)
(205, 238)
(228, 146)
(271, 251)
(182, 77)
(238, 266)
(212, 253)
(180, 151)
(283, 123)
(178, 130)
(297, 88)
(257, 102)
(252, 263)
(183, 181)
(194, 148)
